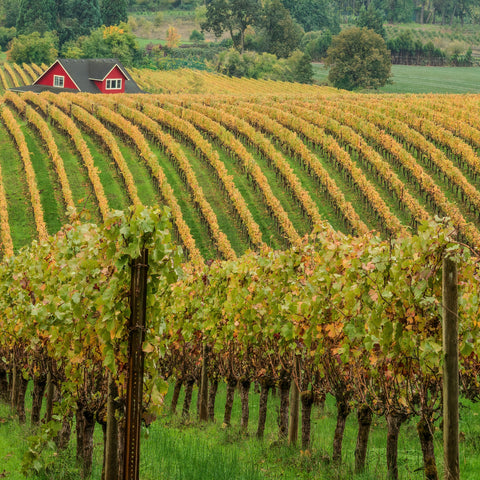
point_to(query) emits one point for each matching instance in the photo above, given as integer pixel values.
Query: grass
(177, 449)
(22, 226)
(415, 79)
(46, 180)
(190, 214)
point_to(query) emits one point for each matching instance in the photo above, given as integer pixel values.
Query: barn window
(58, 81)
(114, 84)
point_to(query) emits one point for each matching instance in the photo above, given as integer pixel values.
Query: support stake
(136, 326)
(450, 371)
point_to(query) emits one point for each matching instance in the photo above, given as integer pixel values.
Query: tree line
(309, 12)
(70, 19)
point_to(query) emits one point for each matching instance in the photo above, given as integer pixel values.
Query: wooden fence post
(203, 391)
(295, 403)
(136, 327)
(450, 370)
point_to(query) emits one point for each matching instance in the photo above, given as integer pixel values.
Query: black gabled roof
(100, 68)
(83, 71)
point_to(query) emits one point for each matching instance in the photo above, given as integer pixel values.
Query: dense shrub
(197, 36)
(407, 51)
(6, 36)
(315, 44)
(34, 48)
(108, 42)
(295, 68)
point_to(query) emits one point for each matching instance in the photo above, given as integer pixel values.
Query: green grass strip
(254, 200)
(143, 181)
(110, 179)
(192, 218)
(45, 175)
(22, 223)
(220, 204)
(80, 185)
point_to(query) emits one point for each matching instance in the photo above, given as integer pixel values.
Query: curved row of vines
(240, 173)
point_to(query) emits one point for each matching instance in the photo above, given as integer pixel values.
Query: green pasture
(415, 79)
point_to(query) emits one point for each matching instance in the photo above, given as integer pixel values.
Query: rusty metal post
(136, 327)
(450, 371)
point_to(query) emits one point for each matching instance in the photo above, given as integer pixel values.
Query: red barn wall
(57, 69)
(115, 73)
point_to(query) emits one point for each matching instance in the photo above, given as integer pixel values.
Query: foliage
(173, 37)
(87, 14)
(315, 44)
(295, 68)
(34, 48)
(78, 297)
(314, 14)
(358, 58)
(9, 10)
(113, 12)
(277, 31)
(6, 35)
(300, 66)
(232, 16)
(196, 36)
(407, 51)
(37, 16)
(372, 19)
(115, 41)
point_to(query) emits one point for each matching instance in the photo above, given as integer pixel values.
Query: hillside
(260, 164)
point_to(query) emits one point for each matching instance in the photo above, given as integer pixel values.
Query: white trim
(47, 70)
(60, 79)
(116, 81)
(122, 71)
(69, 76)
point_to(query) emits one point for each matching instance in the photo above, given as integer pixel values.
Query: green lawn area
(413, 79)
(176, 449)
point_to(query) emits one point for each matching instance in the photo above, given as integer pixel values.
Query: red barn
(84, 75)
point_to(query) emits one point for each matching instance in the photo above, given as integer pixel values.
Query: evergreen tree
(279, 33)
(302, 67)
(314, 14)
(37, 16)
(114, 12)
(87, 13)
(371, 18)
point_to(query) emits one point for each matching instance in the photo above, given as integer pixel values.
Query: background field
(414, 79)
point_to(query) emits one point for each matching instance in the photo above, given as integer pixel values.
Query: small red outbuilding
(85, 75)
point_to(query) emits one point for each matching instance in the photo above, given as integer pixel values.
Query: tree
(314, 14)
(115, 41)
(358, 58)
(33, 48)
(371, 18)
(87, 13)
(114, 12)
(37, 16)
(315, 44)
(9, 10)
(173, 37)
(6, 35)
(232, 16)
(300, 64)
(279, 33)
